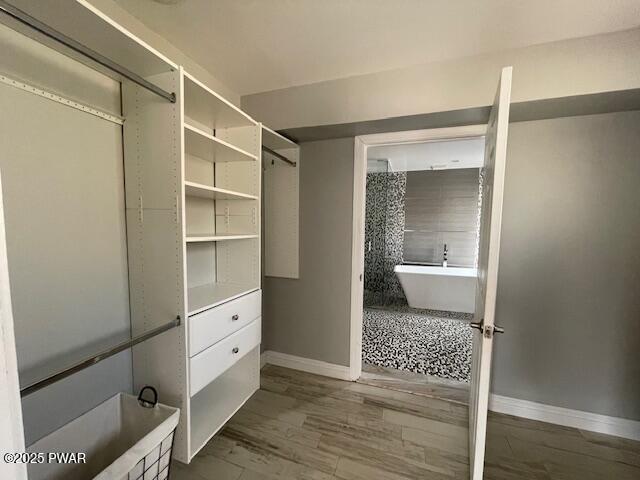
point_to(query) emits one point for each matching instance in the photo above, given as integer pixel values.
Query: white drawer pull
(235, 317)
(235, 350)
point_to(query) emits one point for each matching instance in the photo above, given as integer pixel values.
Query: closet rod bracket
(278, 156)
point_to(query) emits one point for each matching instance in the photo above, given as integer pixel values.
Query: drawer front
(215, 360)
(208, 328)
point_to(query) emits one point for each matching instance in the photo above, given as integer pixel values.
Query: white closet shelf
(207, 107)
(275, 141)
(87, 25)
(207, 147)
(203, 297)
(210, 410)
(204, 237)
(192, 189)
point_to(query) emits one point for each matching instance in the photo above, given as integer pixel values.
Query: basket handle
(148, 403)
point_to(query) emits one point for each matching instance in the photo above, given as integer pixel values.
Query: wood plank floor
(416, 383)
(303, 426)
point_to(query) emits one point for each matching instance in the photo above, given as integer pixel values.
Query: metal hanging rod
(278, 156)
(77, 47)
(45, 382)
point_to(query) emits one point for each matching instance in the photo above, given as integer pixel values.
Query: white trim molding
(308, 365)
(263, 359)
(593, 422)
(357, 258)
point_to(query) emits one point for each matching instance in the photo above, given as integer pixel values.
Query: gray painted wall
(568, 289)
(309, 317)
(578, 66)
(63, 196)
(569, 270)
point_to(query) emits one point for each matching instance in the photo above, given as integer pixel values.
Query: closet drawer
(208, 365)
(211, 326)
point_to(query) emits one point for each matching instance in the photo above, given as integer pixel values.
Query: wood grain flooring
(303, 426)
(416, 383)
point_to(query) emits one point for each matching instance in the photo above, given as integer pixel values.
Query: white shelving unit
(222, 190)
(192, 188)
(195, 219)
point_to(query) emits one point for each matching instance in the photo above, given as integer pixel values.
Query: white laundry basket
(123, 439)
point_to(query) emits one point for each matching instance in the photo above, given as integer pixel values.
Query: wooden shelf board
(204, 297)
(207, 107)
(193, 189)
(207, 147)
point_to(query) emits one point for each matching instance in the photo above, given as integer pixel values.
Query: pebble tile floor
(418, 341)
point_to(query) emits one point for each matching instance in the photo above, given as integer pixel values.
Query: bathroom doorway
(421, 200)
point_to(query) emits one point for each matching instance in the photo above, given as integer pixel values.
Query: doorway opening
(420, 214)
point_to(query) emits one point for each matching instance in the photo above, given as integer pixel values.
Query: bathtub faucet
(444, 256)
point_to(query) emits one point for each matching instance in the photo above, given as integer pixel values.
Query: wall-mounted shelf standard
(193, 189)
(207, 147)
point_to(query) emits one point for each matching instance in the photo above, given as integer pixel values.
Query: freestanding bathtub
(439, 288)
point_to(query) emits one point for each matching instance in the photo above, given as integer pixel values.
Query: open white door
(488, 257)
(11, 432)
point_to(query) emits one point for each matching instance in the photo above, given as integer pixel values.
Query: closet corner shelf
(207, 107)
(207, 147)
(195, 238)
(204, 297)
(192, 189)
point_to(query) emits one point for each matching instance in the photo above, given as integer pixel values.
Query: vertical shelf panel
(153, 158)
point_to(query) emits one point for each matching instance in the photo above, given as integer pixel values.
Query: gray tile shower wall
(441, 207)
(384, 236)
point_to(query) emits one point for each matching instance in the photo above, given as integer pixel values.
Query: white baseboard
(593, 422)
(263, 359)
(308, 365)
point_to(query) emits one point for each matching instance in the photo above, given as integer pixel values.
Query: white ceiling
(260, 45)
(440, 155)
